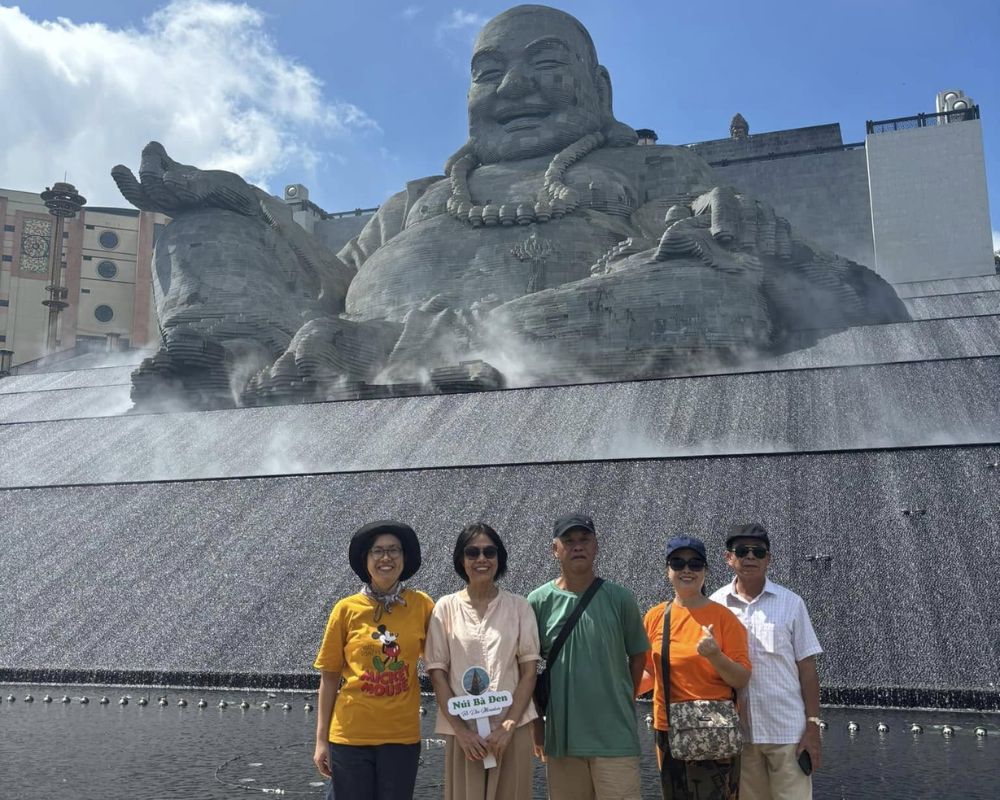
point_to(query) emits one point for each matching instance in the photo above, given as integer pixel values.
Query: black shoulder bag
(541, 693)
(698, 730)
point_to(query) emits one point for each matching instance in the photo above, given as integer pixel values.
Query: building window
(107, 269)
(108, 240)
(85, 291)
(8, 258)
(4, 303)
(8, 228)
(104, 313)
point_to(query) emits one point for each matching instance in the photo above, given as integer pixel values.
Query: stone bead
(558, 208)
(491, 215)
(508, 214)
(476, 216)
(543, 211)
(525, 214)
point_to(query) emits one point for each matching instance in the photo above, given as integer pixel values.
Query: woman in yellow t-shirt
(708, 660)
(368, 733)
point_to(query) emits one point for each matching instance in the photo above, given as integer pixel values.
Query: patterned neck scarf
(385, 600)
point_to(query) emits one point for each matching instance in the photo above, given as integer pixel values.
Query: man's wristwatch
(815, 721)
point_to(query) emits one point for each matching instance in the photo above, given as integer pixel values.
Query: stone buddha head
(537, 87)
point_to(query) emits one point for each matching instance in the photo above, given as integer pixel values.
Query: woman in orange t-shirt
(708, 660)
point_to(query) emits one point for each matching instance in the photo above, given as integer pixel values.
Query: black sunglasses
(472, 553)
(743, 550)
(676, 563)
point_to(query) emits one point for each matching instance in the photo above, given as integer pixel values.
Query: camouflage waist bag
(704, 730)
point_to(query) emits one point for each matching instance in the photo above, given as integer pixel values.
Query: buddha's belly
(443, 256)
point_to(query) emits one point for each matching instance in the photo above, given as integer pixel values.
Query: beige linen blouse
(504, 638)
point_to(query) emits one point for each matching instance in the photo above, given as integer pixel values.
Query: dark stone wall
(758, 145)
(896, 552)
(823, 194)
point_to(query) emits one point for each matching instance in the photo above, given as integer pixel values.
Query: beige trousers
(772, 772)
(594, 778)
(509, 780)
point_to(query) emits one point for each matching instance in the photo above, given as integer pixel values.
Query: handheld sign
(480, 705)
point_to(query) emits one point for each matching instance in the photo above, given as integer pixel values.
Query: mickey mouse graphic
(390, 649)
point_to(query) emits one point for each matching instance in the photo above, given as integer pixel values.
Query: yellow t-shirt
(379, 699)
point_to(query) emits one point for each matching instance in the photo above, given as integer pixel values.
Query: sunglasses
(472, 553)
(694, 564)
(742, 550)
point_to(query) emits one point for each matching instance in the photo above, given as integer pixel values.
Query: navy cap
(750, 530)
(566, 523)
(686, 543)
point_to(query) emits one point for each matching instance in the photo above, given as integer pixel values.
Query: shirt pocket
(767, 635)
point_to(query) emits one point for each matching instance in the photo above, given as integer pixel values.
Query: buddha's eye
(487, 75)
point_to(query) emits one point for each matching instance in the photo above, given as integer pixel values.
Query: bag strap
(665, 660)
(571, 620)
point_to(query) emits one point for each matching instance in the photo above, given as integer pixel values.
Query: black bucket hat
(361, 543)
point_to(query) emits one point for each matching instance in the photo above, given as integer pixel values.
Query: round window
(108, 240)
(104, 313)
(107, 269)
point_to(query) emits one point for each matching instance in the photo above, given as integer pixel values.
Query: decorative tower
(738, 127)
(63, 202)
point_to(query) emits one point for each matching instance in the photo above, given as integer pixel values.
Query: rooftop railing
(922, 120)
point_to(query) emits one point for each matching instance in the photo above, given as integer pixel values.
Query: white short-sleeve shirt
(780, 634)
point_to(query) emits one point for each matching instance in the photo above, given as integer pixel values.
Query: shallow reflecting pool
(89, 751)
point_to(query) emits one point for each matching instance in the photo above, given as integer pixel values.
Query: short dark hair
(470, 532)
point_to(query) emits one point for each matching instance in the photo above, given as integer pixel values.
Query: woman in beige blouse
(484, 626)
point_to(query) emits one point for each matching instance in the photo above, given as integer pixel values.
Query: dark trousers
(373, 772)
(697, 780)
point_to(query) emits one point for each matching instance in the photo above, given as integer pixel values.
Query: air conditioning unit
(953, 100)
(296, 193)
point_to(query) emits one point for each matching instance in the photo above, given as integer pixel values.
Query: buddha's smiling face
(535, 86)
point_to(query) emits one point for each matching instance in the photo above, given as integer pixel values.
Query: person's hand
(810, 742)
(538, 735)
(500, 737)
(707, 646)
(321, 758)
(472, 744)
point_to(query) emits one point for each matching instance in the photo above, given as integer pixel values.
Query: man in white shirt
(781, 703)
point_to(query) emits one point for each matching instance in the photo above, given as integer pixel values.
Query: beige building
(106, 258)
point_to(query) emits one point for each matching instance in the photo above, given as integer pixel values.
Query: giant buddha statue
(553, 247)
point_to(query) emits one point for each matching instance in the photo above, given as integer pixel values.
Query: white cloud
(461, 25)
(410, 12)
(996, 241)
(202, 77)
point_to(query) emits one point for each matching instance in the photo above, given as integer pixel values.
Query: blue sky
(353, 99)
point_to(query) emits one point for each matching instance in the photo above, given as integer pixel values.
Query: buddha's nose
(516, 83)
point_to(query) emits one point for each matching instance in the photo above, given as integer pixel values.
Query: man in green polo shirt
(590, 744)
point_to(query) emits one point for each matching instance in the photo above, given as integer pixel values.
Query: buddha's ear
(617, 134)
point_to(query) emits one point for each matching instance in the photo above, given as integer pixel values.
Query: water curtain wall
(126, 557)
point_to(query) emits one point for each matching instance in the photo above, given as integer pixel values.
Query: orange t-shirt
(692, 676)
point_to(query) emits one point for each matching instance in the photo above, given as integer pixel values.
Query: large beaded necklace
(555, 199)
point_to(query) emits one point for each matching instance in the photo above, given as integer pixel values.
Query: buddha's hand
(721, 222)
(173, 188)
